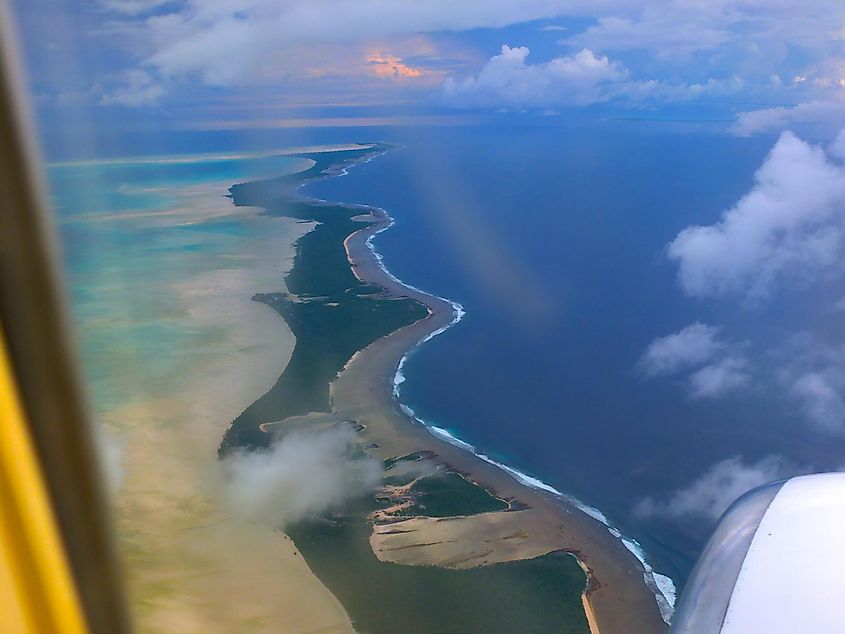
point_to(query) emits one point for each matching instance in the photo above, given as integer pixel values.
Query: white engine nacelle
(774, 565)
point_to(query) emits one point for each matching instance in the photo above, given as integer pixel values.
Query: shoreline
(608, 586)
(661, 585)
(585, 599)
(369, 382)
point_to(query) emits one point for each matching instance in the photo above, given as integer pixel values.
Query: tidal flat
(478, 549)
(161, 268)
(542, 594)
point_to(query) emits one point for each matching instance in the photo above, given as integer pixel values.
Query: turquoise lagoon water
(133, 234)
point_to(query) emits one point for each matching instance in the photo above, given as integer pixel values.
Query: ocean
(553, 240)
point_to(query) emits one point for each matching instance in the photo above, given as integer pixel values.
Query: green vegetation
(259, 193)
(449, 494)
(333, 314)
(537, 595)
(389, 463)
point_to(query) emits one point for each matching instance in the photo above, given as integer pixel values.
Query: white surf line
(659, 584)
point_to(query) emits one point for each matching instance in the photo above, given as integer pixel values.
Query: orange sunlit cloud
(391, 67)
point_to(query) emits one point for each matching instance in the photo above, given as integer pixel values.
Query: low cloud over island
(302, 475)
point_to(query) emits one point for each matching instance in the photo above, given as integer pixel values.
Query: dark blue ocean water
(553, 239)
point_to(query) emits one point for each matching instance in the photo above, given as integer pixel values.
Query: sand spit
(537, 522)
(591, 617)
(464, 541)
(620, 600)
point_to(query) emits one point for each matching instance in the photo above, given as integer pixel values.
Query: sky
(757, 65)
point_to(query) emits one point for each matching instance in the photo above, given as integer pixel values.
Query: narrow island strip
(449, 541)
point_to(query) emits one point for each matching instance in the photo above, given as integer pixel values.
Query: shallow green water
(534, 596)
(132, 234)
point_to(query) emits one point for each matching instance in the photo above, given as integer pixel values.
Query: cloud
(198, 36)
(803, 370)
(836, 149)
(658, 30)
(227, 43)
(507, 81)
(713, 366)
(810, 372)
(110, 451)
(821, 399)
(788, 228)
(300, 476)
(132, 7)
(678, 50)
(710, 495)
(254, 42)
(820, 86)
(826, 113)
(138, 88)
(686, 348)
(787, 231)
(715, 380)
(748, 33)
(392, 67)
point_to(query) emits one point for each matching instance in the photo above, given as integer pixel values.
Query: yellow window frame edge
(59, 572)
(37, 590)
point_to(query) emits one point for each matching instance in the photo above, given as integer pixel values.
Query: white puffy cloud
(198, 35)
(659, 30)
(713, 367)
(709, 496)
(789, 227)
(717, 379)
(507, 81)
(811, 372)
(686, 348)
(820, 395)
(829, 113)
(836, 149)
(675, 49)
(226, 43)
(819, 89)
(752, 34)
(301, 475)
(137, 88)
